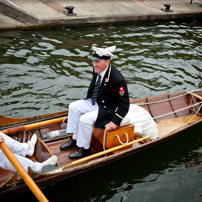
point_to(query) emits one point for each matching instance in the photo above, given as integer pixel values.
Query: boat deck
(63, 156)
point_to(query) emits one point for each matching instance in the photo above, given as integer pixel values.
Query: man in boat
(20, 150)
(105, 106)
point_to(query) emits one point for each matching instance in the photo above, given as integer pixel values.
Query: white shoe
(51, 161)
(32, 143)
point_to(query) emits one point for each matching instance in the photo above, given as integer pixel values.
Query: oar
(94, 155)
(28, 180)
(33, 125)
(7, 121)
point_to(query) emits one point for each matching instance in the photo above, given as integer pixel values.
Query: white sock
(32, 143)
(51, 161)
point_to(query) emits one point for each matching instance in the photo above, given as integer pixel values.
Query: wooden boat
(173, 113)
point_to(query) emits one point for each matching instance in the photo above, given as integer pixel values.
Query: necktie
(95, 90)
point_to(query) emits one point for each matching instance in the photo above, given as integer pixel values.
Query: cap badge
(121, 91)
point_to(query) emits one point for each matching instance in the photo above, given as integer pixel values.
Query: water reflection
(42, 71)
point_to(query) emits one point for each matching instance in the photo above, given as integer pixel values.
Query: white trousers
(20, 151)
(81, 117)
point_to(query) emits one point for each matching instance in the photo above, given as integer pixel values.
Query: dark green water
(42, 71)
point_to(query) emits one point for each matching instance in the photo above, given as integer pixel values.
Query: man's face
(100, 65)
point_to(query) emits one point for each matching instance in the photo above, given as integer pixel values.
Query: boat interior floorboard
(168, 125)
(171, 124)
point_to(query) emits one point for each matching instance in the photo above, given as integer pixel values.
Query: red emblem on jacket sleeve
(121, 91)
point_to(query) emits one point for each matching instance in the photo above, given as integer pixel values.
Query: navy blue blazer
(113, 98)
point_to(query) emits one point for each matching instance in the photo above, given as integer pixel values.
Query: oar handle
(28, 180)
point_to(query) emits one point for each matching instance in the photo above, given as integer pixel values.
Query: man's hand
(111, 126)
(1, 139)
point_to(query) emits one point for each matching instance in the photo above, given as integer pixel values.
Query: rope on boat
(64, 121)
(194, 114)
(148, 103)
(104, 139)
(120, 139)
(200, 89)
(188, 122)
(178, 110)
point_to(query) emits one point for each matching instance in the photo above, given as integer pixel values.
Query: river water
(43, 70)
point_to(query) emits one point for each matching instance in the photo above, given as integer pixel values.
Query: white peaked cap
(104, 51)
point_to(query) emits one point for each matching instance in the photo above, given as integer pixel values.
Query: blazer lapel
(105, 81)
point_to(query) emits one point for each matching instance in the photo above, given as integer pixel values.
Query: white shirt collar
(102, 74)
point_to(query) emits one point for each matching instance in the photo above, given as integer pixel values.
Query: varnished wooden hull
(169, 125)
